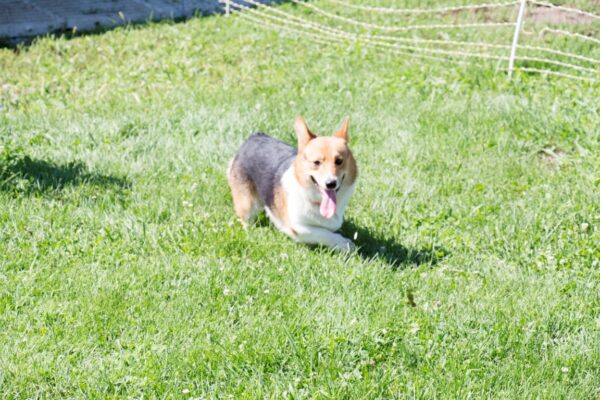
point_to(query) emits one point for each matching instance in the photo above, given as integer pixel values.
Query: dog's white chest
(303, 205)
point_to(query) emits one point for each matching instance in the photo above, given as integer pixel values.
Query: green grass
(123, 273)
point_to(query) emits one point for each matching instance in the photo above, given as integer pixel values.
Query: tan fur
(279, 208)
(245, 199)
(343, 132)
(325, 149)
(320, 162)
(352, 168)
(303, 133)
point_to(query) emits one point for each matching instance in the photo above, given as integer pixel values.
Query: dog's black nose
(331, 184)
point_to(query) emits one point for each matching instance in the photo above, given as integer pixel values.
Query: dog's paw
(345, 245)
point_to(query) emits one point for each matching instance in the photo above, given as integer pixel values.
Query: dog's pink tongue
(328, 203)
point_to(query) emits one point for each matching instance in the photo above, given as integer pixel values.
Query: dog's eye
(338, 161)
(317, 163)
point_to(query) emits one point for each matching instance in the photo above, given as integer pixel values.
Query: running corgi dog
(304, 192)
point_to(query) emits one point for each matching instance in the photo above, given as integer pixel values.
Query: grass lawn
(124, 274)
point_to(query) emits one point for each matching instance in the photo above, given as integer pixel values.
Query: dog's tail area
(229, 166)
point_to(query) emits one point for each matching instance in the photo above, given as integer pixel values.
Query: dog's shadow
(25, 175)
(372, 245)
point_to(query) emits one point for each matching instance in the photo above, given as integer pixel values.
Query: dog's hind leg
(245, 198)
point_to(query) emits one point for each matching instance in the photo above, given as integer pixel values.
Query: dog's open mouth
(314, 180)
(328, 201)
(319, 187)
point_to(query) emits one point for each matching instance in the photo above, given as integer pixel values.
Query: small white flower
(414, 328)
(226, 292)
(564, 370)
(266, 291)
(185, 391)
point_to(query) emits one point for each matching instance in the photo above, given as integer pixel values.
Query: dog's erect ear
(343, 132)
(303, 133)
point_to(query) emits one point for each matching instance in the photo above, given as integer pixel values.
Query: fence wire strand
(570, 34)
(387, 28)
(440, 10)
(326, 34)
(320, 39)
(557, 73)
(355, 37)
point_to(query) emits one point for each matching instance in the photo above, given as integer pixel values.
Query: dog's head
(325, 163)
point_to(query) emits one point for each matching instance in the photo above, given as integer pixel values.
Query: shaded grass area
(372, 245)
(24, 175)
(124, 274)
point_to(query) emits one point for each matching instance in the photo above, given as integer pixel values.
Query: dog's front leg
(316, 235)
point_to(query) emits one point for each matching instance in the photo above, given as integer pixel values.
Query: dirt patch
(557, 16)
(535, 13)
(552, 156)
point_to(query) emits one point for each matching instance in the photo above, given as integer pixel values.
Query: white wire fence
(508, 35)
